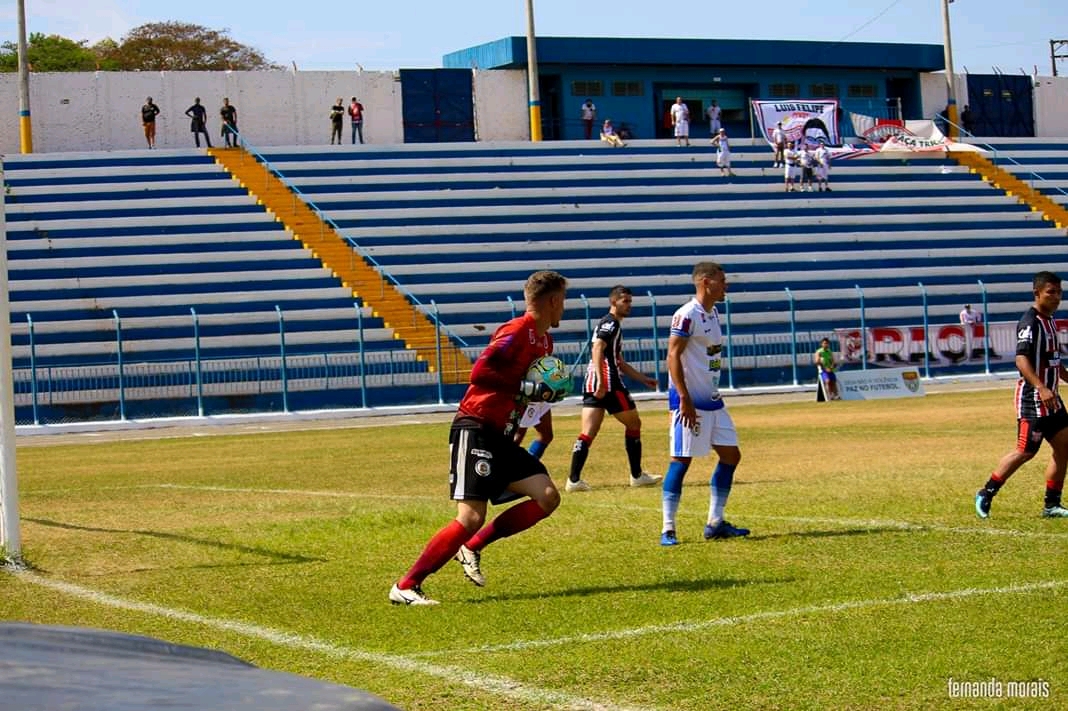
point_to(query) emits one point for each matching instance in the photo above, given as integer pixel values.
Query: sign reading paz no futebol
(879, 383)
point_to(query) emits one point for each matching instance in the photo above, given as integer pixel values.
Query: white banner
(879, 383)
(813, 121)
(910, 136)
(949, 344)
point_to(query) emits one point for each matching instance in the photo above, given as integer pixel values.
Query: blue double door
(437, 105)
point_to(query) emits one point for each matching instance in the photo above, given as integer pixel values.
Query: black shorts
(1031, 431)
(613, 402)
(483, 462)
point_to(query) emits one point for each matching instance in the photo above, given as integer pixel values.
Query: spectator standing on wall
(337, 117)
(198, 116)
(589, 115)
(356, 116)
(714, 113)
(228, 113)
(149, 112)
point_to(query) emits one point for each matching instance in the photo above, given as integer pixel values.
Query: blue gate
(1001, 105)
(438, 105)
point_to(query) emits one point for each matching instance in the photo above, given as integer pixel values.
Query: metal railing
(775, 349)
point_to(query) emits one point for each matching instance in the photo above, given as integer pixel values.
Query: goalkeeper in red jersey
(487, 465)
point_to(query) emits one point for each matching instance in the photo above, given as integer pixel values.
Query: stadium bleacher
(1041, 162)
(464, 227)
(153, 234)
(166, 253)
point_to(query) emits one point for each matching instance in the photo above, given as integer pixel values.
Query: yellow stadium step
(1013, 186)
(365, 282)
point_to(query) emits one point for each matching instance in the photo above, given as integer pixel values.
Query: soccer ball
(551, 371)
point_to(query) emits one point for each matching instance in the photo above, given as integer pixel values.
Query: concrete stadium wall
(87, 111)
(1051, 106)
(501, 105)
(93, 111)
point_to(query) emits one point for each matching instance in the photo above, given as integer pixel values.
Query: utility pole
(532, 76)
(1054, 47)
(951, 101)
(25, 133)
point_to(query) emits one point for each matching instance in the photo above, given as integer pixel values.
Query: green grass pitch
(868, 582)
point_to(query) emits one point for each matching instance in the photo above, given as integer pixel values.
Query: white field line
(701, 625)
(497, 685)
(978, 528)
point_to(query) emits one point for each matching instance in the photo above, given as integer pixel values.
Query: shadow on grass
(275, 556)
(678, 585)
(840, 532)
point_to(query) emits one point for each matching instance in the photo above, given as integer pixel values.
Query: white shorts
(714, 428)
(682, 129)
(792, 172)
(723, 159)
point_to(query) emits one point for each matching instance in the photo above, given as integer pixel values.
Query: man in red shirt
(486, 462)
(356, 114)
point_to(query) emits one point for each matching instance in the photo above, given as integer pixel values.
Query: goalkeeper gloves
(540, 391)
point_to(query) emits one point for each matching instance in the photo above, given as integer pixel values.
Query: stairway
(366, 283)
(1013, 187)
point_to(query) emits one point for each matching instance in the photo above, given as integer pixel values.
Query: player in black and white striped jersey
(1040, 412)
(604, 391)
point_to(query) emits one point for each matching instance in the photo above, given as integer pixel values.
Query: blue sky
(338, 34)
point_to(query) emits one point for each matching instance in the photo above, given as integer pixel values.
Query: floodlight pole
(25, 134)
(10, 540)
(532, 77)
(951, 94)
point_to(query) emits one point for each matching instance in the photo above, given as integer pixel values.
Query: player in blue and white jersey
(1040, 412)
(699, 419)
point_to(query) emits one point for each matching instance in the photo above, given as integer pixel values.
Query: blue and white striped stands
(1041, 162)
(164, 252)
(464, 226)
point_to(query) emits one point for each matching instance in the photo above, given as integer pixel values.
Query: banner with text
(805, 122)
(879, 383)
(888, 135)
(949, 344)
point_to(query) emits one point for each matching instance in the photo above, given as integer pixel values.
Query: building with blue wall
(635, 81)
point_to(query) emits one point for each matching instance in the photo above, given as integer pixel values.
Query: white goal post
(10, 540)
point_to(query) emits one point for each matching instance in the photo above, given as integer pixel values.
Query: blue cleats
(982, 503)
(723, 530)
(667, 538)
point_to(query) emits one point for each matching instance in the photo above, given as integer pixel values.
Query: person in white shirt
(680, 119)
(969, 317)
(723, 153)
(778, 139)
(713, 112)
(589, 115)
(700, 422)
(792, 169)
(823, 167)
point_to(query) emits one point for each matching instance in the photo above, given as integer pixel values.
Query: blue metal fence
(360, 377)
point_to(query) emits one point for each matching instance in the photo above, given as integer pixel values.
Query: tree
(181, 46)
(49, 53)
